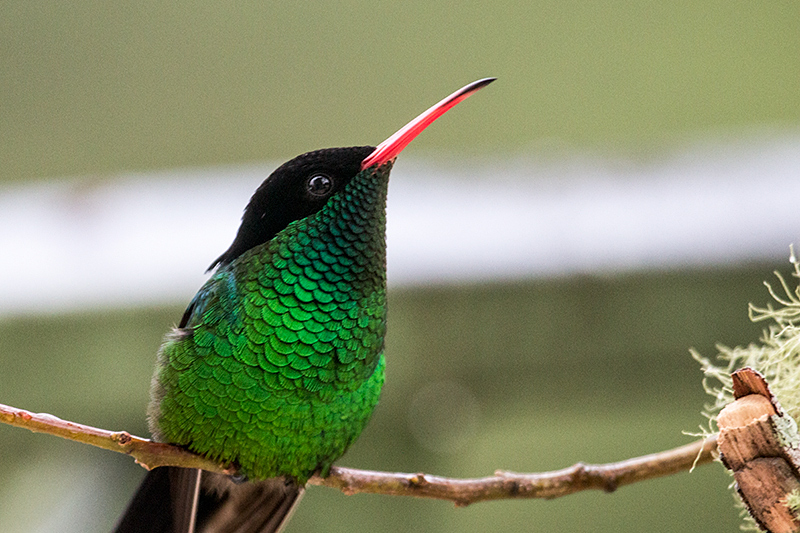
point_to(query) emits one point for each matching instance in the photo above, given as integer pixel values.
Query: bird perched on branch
(277, 363)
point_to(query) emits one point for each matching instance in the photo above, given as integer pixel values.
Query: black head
(302, 186)
(298, 188)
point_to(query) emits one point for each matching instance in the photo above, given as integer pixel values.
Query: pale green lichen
(786, 431)
(776, 357)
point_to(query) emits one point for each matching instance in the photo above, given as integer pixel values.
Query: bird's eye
(319, 185)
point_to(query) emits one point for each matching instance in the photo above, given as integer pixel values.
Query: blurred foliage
(92, 87)
(526, 376)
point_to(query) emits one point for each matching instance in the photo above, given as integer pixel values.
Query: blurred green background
(529, 375)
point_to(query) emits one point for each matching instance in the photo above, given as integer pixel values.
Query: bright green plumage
(281, 361)
(278, 361)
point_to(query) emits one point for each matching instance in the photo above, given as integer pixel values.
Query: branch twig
(503, 485)
(508, 485)
(147, 453)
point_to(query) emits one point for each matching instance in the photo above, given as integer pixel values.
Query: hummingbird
(278, 361)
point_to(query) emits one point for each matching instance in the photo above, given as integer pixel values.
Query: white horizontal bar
(142, 239)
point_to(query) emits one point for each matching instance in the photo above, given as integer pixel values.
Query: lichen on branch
(776, 356)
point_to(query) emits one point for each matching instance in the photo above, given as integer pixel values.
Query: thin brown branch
(147, 453)
(508, 485)
(503, 485)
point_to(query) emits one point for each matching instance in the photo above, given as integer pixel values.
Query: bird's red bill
(388, 149)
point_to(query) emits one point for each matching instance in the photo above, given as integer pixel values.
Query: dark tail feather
(168, 501)
(164, 503)
(262, 507)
